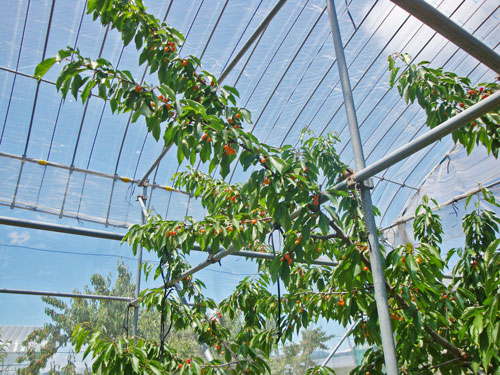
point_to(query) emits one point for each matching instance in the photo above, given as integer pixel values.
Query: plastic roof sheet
(288, 79)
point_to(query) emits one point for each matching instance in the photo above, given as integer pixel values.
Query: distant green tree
(296, 358)
(3, 352)
(109, 316)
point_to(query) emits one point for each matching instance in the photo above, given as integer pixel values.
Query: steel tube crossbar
(88, 171)
(486, 105)
(455, 199)
(379, 283)
(69, 295)
(119, 237)
(451, 31)
(60, 228)
(252, 39)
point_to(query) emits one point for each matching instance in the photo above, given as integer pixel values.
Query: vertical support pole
(388, 345)
(138, 276)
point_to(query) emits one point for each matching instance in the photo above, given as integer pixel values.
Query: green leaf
(394, 73)
(324, 224)
(62, 54)
(412, 266)
(471, 311)
(44, 67)
(135, 363)
(246, 114)
(167, 91)
(490, 251)
(277, 163)
(232, 90)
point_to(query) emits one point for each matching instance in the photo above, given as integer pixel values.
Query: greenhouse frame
(77, 176)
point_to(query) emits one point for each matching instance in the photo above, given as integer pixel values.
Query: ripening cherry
(184, 63)
(137, 89)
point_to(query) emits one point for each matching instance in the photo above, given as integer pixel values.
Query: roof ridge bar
(252, 38)
(436, 20)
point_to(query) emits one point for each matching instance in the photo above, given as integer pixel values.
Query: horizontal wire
(66, 252)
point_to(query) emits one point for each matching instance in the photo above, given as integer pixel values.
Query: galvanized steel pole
(389, 348)
(429, 15)
(456, 122)
(260, 29)
(139, 262)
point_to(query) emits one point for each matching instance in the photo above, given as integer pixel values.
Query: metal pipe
(137, 291)
(252, 38)
(484, 106)
(69, 295)
(157, 161)
(388, 346)
(451, 31)
(334, 350)
(88, 171)
(60, 228)
(119, 237)
(455, 199)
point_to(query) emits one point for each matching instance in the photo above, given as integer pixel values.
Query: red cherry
(184, 63)
(137, 89)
